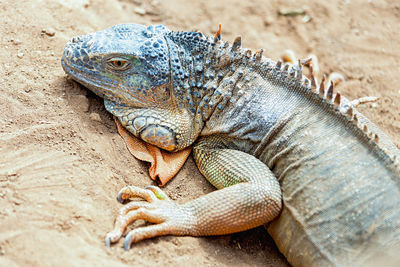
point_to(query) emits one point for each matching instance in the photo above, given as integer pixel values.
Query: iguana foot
(168, 217)
(164, 165)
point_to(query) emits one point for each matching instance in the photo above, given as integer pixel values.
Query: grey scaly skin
(323, 175)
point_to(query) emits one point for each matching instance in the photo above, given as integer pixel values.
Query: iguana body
(280, 152)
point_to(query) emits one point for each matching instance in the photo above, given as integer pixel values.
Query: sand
(62, 161)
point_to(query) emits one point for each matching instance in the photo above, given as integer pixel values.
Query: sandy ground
(62, 161)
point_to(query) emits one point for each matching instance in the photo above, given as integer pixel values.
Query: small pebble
(291, 12)
(81, 101)
(17, 201)
(268, 21)
(306, 19)
(50, 32)
(20, 55)
(356, 31)
(16, 41)
(140, 11)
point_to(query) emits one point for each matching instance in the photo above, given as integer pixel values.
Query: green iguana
(281, 149)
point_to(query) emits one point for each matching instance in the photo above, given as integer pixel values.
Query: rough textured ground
(62, 161)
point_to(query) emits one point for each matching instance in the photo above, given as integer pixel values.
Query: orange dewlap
(164, 165)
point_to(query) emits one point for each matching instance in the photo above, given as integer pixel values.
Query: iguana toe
(158, 192)
(147, 232)
(135, 192)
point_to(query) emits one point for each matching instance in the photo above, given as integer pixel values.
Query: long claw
(128, 242)
(364, 100)
(112, 237)
(121, 199)
(108, 242)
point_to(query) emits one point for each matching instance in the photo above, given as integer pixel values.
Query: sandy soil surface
(62, 161)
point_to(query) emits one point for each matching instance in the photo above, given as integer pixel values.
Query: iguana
(282, 150)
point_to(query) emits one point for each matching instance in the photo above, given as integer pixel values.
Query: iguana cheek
(159, 136)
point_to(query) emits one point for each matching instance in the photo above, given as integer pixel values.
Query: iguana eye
(118, 63)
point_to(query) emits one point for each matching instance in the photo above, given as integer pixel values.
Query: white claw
(364, 100)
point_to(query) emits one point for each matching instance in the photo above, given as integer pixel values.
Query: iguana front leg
(250, 196)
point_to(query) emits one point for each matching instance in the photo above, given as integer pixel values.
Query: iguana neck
(206, 75)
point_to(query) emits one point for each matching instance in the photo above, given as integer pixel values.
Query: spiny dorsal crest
(327, 94)
(217, 35)
(237, 43)
(293, 72)
(258, 55)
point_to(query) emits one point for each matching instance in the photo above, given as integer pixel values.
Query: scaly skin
(260, 135)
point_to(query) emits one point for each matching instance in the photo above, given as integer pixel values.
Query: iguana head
(127, 63)
(137, 71)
